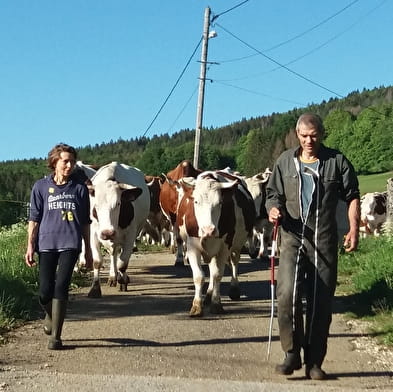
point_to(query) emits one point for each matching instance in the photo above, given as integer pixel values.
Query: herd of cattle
(205, 216)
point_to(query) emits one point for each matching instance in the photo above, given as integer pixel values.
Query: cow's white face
(107, 201)
(373, 208)
(208, 203)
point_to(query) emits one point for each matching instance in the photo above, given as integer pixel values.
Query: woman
(59, 220)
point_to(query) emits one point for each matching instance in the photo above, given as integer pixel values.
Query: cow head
(372, 205)
(257, 187)
(113, 208)
(210, 198)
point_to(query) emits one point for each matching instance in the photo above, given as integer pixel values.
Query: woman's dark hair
(54, 154)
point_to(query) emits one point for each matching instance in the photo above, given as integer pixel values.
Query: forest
(360, 125)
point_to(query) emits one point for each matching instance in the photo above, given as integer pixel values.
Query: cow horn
(229, 184)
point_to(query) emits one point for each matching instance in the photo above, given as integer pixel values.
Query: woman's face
(65, 164)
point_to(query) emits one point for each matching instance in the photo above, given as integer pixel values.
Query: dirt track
(146, 334)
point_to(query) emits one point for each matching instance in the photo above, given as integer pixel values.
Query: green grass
(18, 283)
(365, 283)
(374, 182)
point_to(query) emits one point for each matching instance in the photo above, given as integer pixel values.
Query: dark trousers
(306, 284)
(55, 272)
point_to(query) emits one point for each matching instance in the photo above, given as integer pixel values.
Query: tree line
(360, 125)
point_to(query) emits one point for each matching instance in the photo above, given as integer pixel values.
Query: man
(302, 194)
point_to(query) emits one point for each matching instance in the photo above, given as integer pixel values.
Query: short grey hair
(312, 120)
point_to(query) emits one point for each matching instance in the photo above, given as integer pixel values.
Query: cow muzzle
(208, 231)
(108, 234)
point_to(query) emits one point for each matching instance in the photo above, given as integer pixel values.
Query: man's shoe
(315, 373)
(292, 362)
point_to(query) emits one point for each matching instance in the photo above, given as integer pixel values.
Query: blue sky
(91, 71)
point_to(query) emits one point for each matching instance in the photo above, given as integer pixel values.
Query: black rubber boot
(59, 308)
(292, 362)
(314, 372)
(48, 317)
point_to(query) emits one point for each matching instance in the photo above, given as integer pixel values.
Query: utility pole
(201, 94)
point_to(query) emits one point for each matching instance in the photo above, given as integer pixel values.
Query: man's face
(309, 139)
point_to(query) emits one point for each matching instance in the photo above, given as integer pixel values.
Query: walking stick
(272, 262)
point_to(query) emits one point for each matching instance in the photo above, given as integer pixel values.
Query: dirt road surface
(144, 340)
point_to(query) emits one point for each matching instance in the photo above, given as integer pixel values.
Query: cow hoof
(95, 292)
(234, 293)
(216, 308)
(196, 311)
(112, 282)
(179, 264)
(123, 287)
(208, 299)
(253, 255)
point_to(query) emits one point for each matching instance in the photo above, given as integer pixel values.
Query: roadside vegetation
(365, 283)
(19, 283)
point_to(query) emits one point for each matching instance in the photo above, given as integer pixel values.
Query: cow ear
(90, 187)
(131, 194)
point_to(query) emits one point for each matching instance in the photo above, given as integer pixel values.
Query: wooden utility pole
(389, 208)
(201, 94)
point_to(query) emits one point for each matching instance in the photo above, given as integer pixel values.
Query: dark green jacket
(336, 179)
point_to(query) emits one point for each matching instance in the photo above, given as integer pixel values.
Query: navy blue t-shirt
(61, 211)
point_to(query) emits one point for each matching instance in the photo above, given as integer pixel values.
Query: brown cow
(169, 201)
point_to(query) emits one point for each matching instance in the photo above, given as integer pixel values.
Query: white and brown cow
(157, 228)
(262, 234)
(120, 204)
(372, 212)
(169, 201)
(215, 216)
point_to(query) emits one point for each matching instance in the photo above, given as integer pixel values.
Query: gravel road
(144, 340)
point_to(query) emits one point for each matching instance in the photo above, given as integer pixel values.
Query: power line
(183, 108)
(313, 27)
(228, 10)
(259, 93)
(173, 88)
(300, 75)
(281, 65)
(298, 35)
(323, 44)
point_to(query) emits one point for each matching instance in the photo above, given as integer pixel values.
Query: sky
(87, 72)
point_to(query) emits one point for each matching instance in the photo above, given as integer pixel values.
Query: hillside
(360, 125)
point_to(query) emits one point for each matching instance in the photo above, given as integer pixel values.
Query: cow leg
(234, 290)
(265, 238)
(179, 252)
(216, 268)
(122, 265)
(172, 242)
(194, 257)
(95, 289)
(262, 245)
(252, 245)
(122, 277)
(112, 278)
